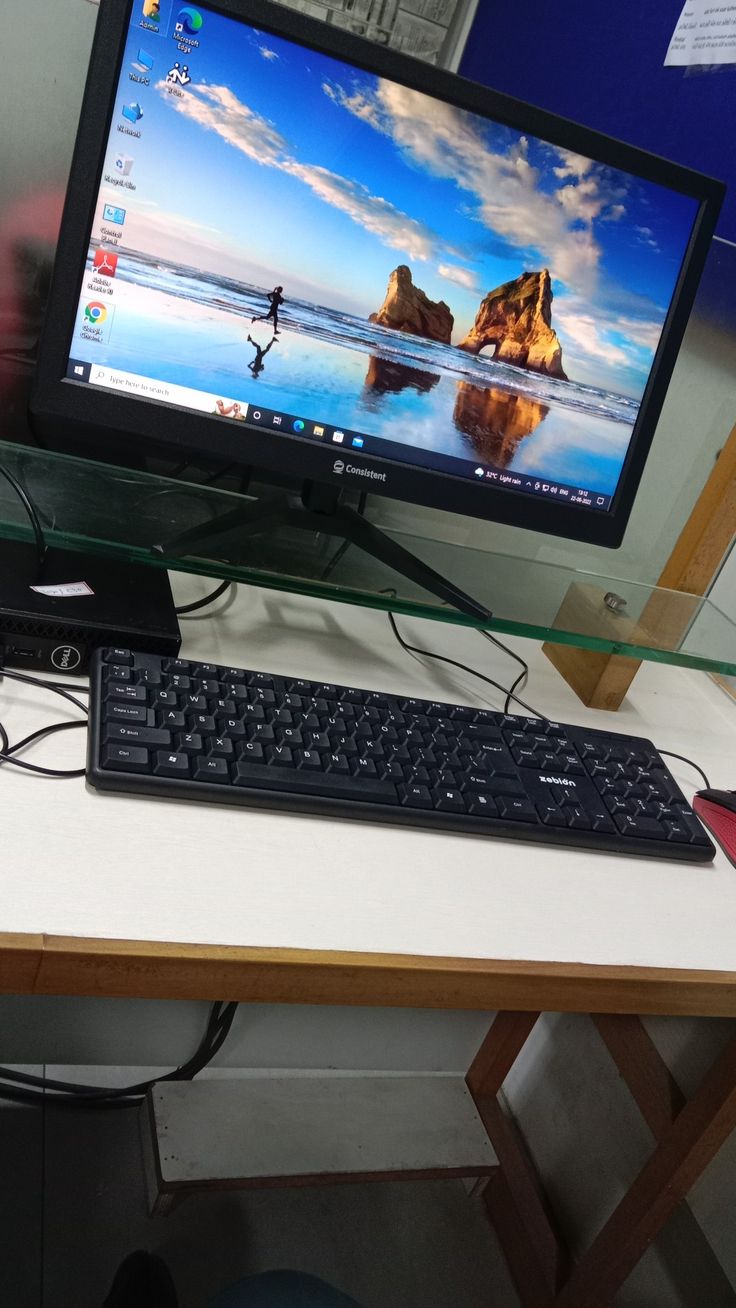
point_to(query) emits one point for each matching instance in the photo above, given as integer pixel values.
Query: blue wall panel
(603, 65)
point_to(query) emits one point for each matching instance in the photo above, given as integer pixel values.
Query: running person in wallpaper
(275, 299)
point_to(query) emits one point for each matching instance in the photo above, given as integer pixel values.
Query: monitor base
(318, 508)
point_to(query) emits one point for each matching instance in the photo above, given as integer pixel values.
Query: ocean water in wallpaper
(415, 272)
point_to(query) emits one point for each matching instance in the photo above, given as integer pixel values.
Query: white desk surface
(78, 863)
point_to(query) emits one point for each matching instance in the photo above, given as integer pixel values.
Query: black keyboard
(200, 731)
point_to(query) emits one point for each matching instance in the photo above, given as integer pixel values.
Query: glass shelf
(95, 508)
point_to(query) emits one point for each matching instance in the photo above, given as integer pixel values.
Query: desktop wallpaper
(288, 231)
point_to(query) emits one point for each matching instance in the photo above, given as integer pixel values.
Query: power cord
(8, 751)
(443, 658)
(41, 1091)
(683, 759)
(208, 599)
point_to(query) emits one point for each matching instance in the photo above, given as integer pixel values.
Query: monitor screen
(293, 245)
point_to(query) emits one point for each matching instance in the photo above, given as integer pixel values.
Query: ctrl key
(125, 758)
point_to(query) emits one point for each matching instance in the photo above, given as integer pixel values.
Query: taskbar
(337, 438)
(341, 438)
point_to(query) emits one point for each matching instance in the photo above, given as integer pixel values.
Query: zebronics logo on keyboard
(557, 781)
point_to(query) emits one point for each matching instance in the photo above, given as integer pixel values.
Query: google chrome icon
(190, 20)
(95, 313)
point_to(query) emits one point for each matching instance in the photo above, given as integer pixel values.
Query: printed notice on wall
(705, 34)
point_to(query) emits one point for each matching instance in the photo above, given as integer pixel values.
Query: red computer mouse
(717, 810)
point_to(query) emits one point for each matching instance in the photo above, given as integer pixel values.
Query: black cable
(524, 674)
(46, 685)
(208, 599)
(7, 752)
(683, 759)
(426, 653)
(30, 510)
(45, 1090)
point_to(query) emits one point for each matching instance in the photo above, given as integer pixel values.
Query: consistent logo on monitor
(190, 21)
(338, 466)
(95, 313)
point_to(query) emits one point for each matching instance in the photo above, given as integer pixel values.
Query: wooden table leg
(516, 1204)
(684, 1151)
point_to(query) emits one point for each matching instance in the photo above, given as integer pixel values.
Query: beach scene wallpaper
(291, 232)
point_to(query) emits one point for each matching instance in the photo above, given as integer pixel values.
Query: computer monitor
(289, 248)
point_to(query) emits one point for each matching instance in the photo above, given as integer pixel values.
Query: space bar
(329, 784)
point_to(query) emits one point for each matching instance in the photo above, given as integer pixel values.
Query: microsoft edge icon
(190, 20)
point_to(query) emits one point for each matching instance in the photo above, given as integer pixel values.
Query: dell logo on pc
(66, 657)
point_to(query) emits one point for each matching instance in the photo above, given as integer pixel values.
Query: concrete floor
(422, 1244)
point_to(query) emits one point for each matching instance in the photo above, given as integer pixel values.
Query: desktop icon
(132, 112)
(105, 263)
(189, 20)
(277, 422)
(317, 430)
(338, 437)
(112, 214)
(152, 10)
(600, 499)
(78, 369)
(256, 415)
(357, 442)
(545, 487)
(338, 466)
(143, 62)
(479, 472)
(95, 313)
(298, 425)
(123, 163)
(178, 76)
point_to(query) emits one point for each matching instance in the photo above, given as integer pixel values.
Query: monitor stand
(318, 508)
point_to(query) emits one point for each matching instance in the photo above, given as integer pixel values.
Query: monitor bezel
(71, 410)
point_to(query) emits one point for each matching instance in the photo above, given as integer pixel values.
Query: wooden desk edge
(33, 964)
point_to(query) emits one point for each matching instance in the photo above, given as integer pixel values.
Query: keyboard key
(171, 765)
(677, 832)
(125, 758)
(190, 743)
(577, 819)
(122, 656)
(132, 734)
(640, 826)
(220, 747)
(552, 815)
(519, 810)
(251, 752)
(448, 801)
(330, 785)
(117, 693)
(125, 713)
(416, 797)
(116, 673)
(280, 756)
(480, 805)
(211, 769)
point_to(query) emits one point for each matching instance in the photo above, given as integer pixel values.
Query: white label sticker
(66, 591)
